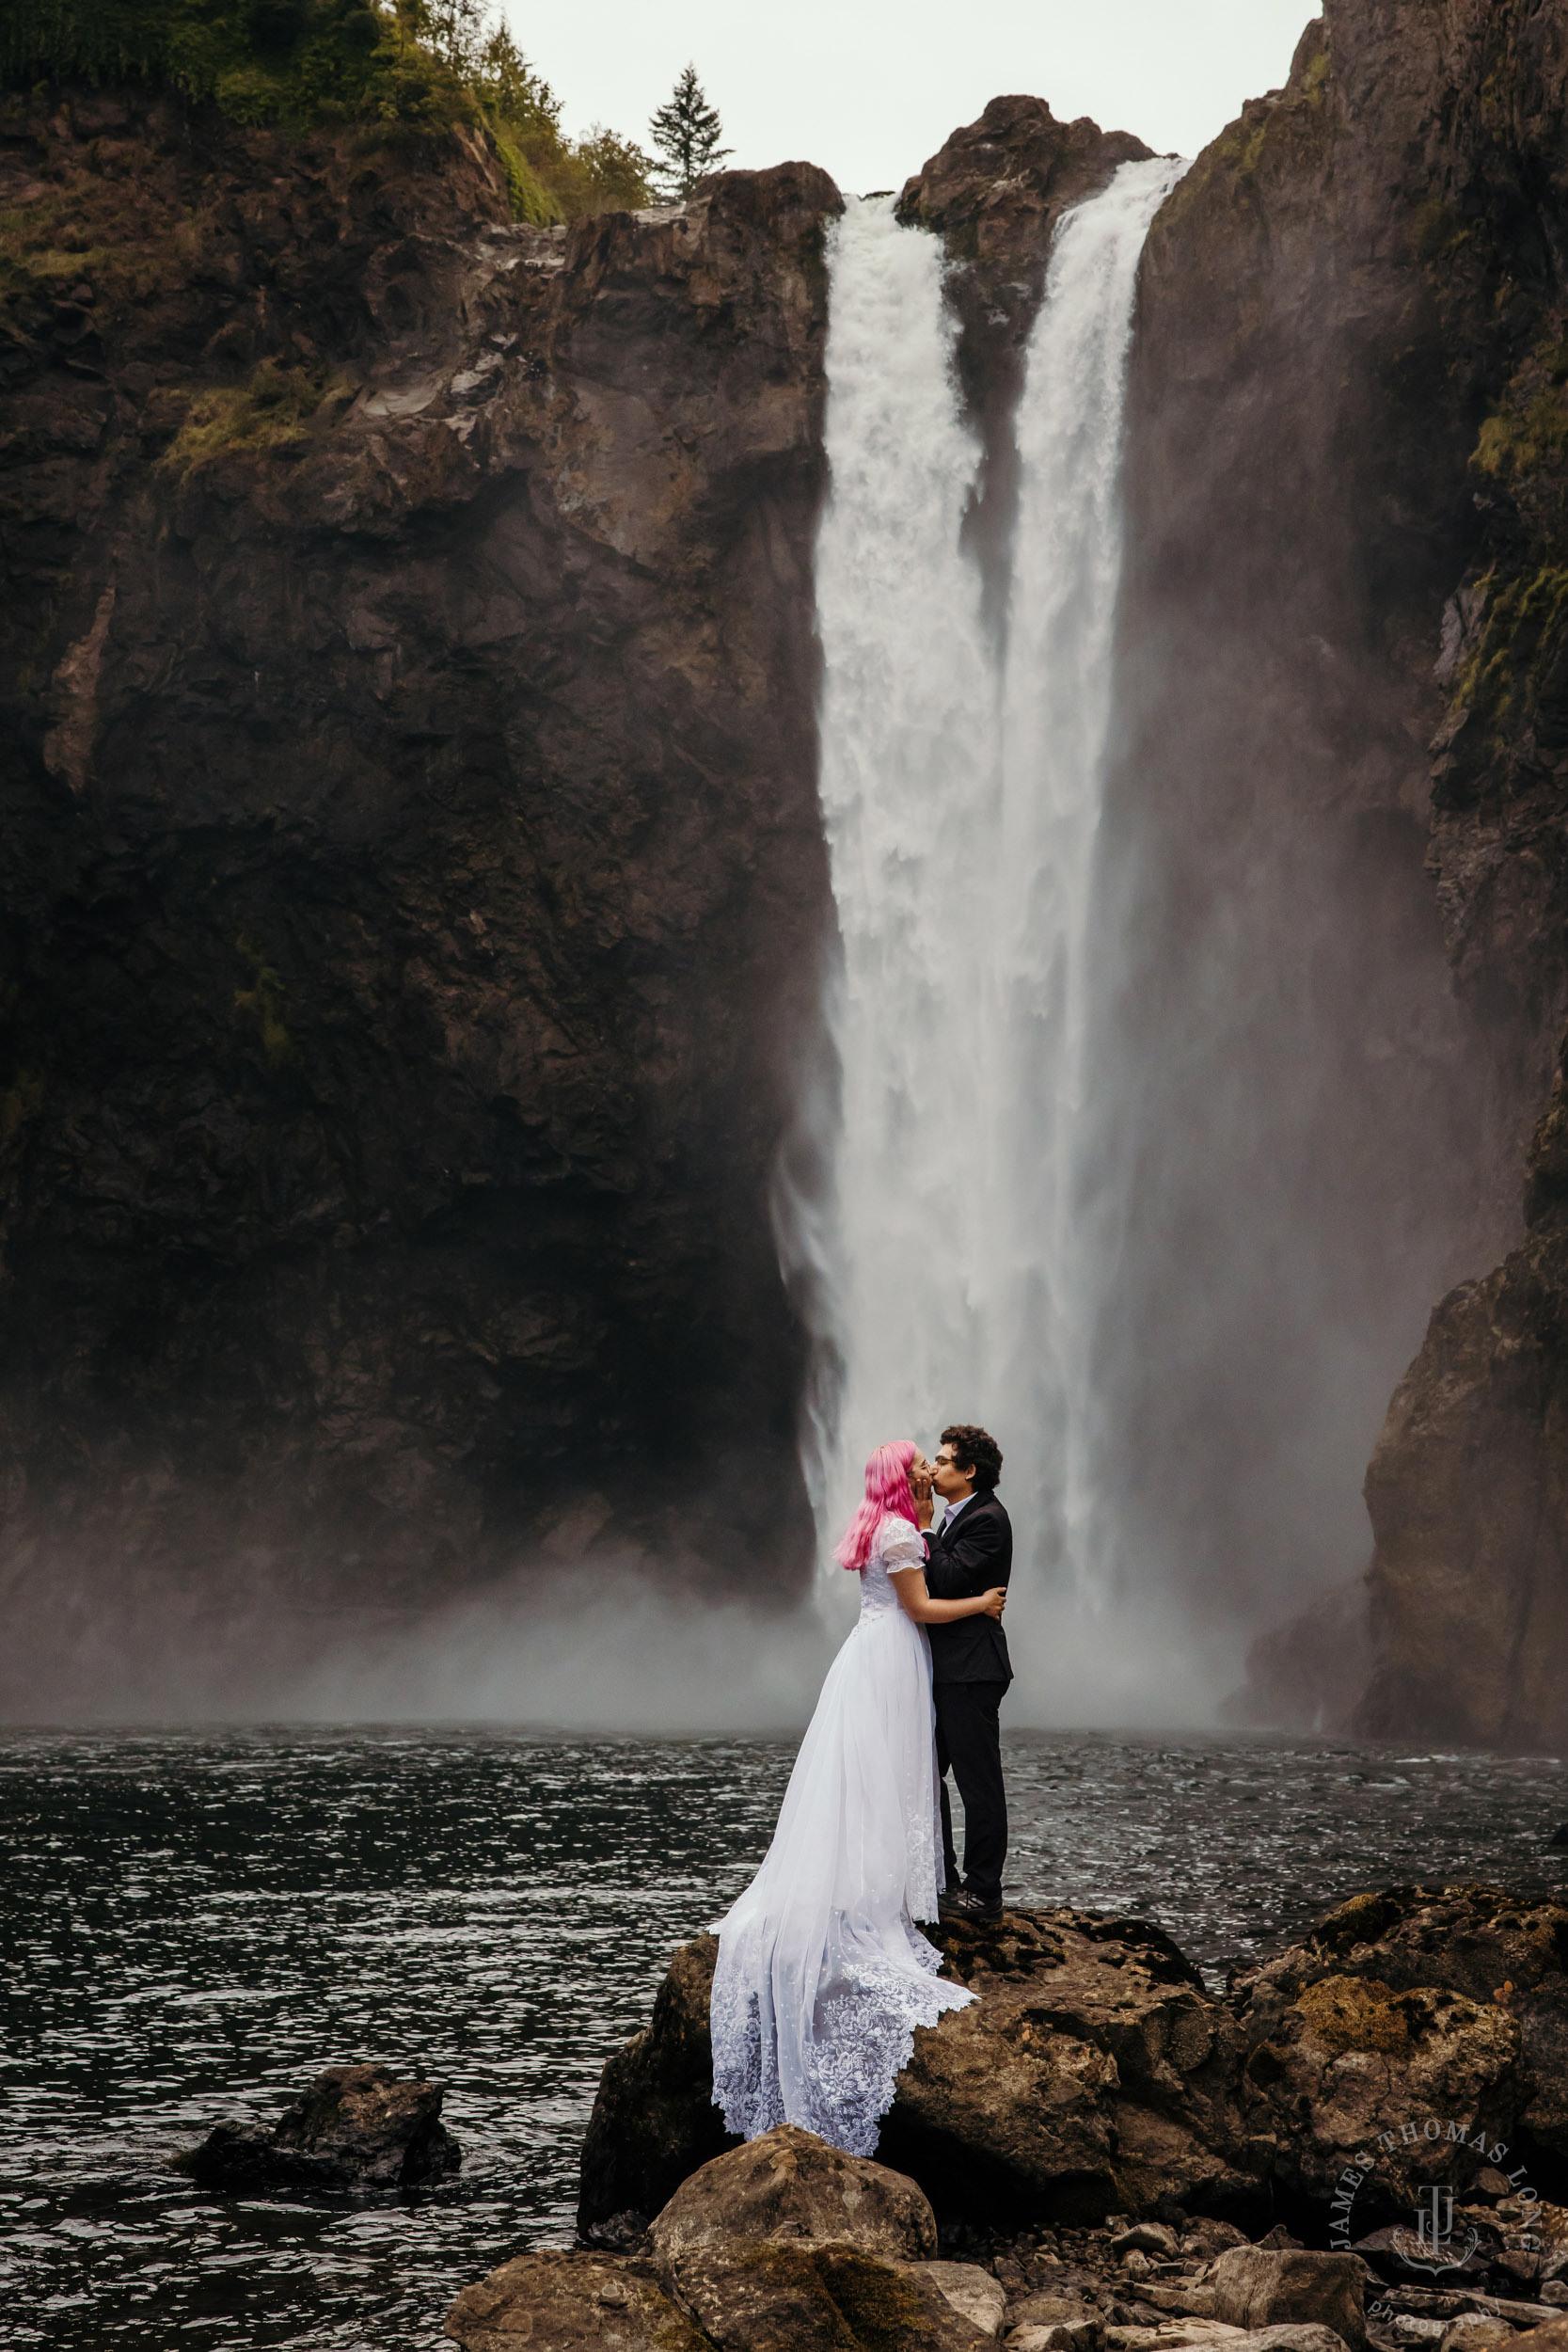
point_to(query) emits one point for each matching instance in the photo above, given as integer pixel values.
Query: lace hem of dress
(864, 2020)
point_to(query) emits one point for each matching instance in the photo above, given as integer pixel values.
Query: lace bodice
(897, 1547)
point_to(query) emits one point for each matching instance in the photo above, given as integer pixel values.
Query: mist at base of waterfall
(608, 1643)
(629, 1658)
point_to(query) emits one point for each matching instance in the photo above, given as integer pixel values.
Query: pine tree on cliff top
(686, 133)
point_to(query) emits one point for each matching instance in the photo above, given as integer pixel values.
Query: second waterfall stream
(954, 1256)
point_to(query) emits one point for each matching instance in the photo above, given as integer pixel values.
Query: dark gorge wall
(1342, 900)
(413, 892)
(412, 881)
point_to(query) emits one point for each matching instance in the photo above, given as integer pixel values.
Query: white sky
(869, 88)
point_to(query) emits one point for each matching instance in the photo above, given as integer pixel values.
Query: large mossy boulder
(556, 2302)
(1507, 1954)
(1414, 2036)
(1095, 2075)
(790, 2183)
(786, 2295)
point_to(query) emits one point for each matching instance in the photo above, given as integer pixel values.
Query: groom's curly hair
(974, 1450)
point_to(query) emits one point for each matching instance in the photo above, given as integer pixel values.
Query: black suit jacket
(964, 1560)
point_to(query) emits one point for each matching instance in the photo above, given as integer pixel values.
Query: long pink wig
(887, 1491)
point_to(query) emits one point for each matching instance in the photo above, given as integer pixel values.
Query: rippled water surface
(194, 1924)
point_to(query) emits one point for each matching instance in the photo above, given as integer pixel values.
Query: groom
(971, 1550)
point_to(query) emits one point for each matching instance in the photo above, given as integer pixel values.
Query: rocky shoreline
(1104, 2155)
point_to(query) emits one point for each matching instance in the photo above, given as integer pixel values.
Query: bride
(822, 1976)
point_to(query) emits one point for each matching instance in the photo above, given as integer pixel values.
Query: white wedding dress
(822, 1976)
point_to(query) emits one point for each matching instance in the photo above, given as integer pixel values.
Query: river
(193, 1923)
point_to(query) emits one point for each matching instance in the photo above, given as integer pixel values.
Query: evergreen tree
(685, 132)
(455, 29)
(511, 90)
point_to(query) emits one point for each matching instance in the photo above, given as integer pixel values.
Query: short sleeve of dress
(898, 1546)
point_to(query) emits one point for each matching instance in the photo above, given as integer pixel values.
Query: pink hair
(887, 1494)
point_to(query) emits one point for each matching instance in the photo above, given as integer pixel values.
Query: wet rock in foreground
(357, 2127)
(1095, 2074)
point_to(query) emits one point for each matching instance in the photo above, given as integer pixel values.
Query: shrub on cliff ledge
(292, 61)
(410, 71)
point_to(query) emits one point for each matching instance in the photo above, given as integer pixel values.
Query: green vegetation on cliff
(407, 70)
(1509, 689)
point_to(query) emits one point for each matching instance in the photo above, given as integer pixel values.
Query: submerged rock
(356, 2127)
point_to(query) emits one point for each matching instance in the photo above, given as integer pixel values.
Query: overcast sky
(869, 88)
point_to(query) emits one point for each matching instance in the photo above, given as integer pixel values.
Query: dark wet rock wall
(1337, 1066)
(413, 891)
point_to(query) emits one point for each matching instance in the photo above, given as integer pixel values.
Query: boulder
(654, 2120)
(1094, 2076)
(793, 2295)
(1073, 2326)
(1293, 2335)
(790, 2185)
(973, 2292)
(357, 2127)
(1551, 2337)
(1147, 2237)
(1207, 2237)
(1506, 1953)
(1369, 2093)
(1257, 2288)
(556, 2302)
(1473, 2331)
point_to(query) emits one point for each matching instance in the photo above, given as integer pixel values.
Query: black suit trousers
(969, 1740)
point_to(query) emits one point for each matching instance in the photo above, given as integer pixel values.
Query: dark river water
(195, 1923)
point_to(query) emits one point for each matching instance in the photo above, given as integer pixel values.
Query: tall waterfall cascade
(959, 1260)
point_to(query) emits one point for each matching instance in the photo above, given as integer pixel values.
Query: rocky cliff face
(414, 889)
(1468, 1487)
(994, 195)
(413, 883)
(1334, 302)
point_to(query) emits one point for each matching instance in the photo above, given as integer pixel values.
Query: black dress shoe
(961, 1904)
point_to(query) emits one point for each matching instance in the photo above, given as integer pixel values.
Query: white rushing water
(956, 1265)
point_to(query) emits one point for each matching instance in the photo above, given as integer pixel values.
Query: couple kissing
(822, 1973)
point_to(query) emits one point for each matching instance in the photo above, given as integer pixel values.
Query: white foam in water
(959, 1269)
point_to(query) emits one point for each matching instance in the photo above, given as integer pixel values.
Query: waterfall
(953, 1261)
